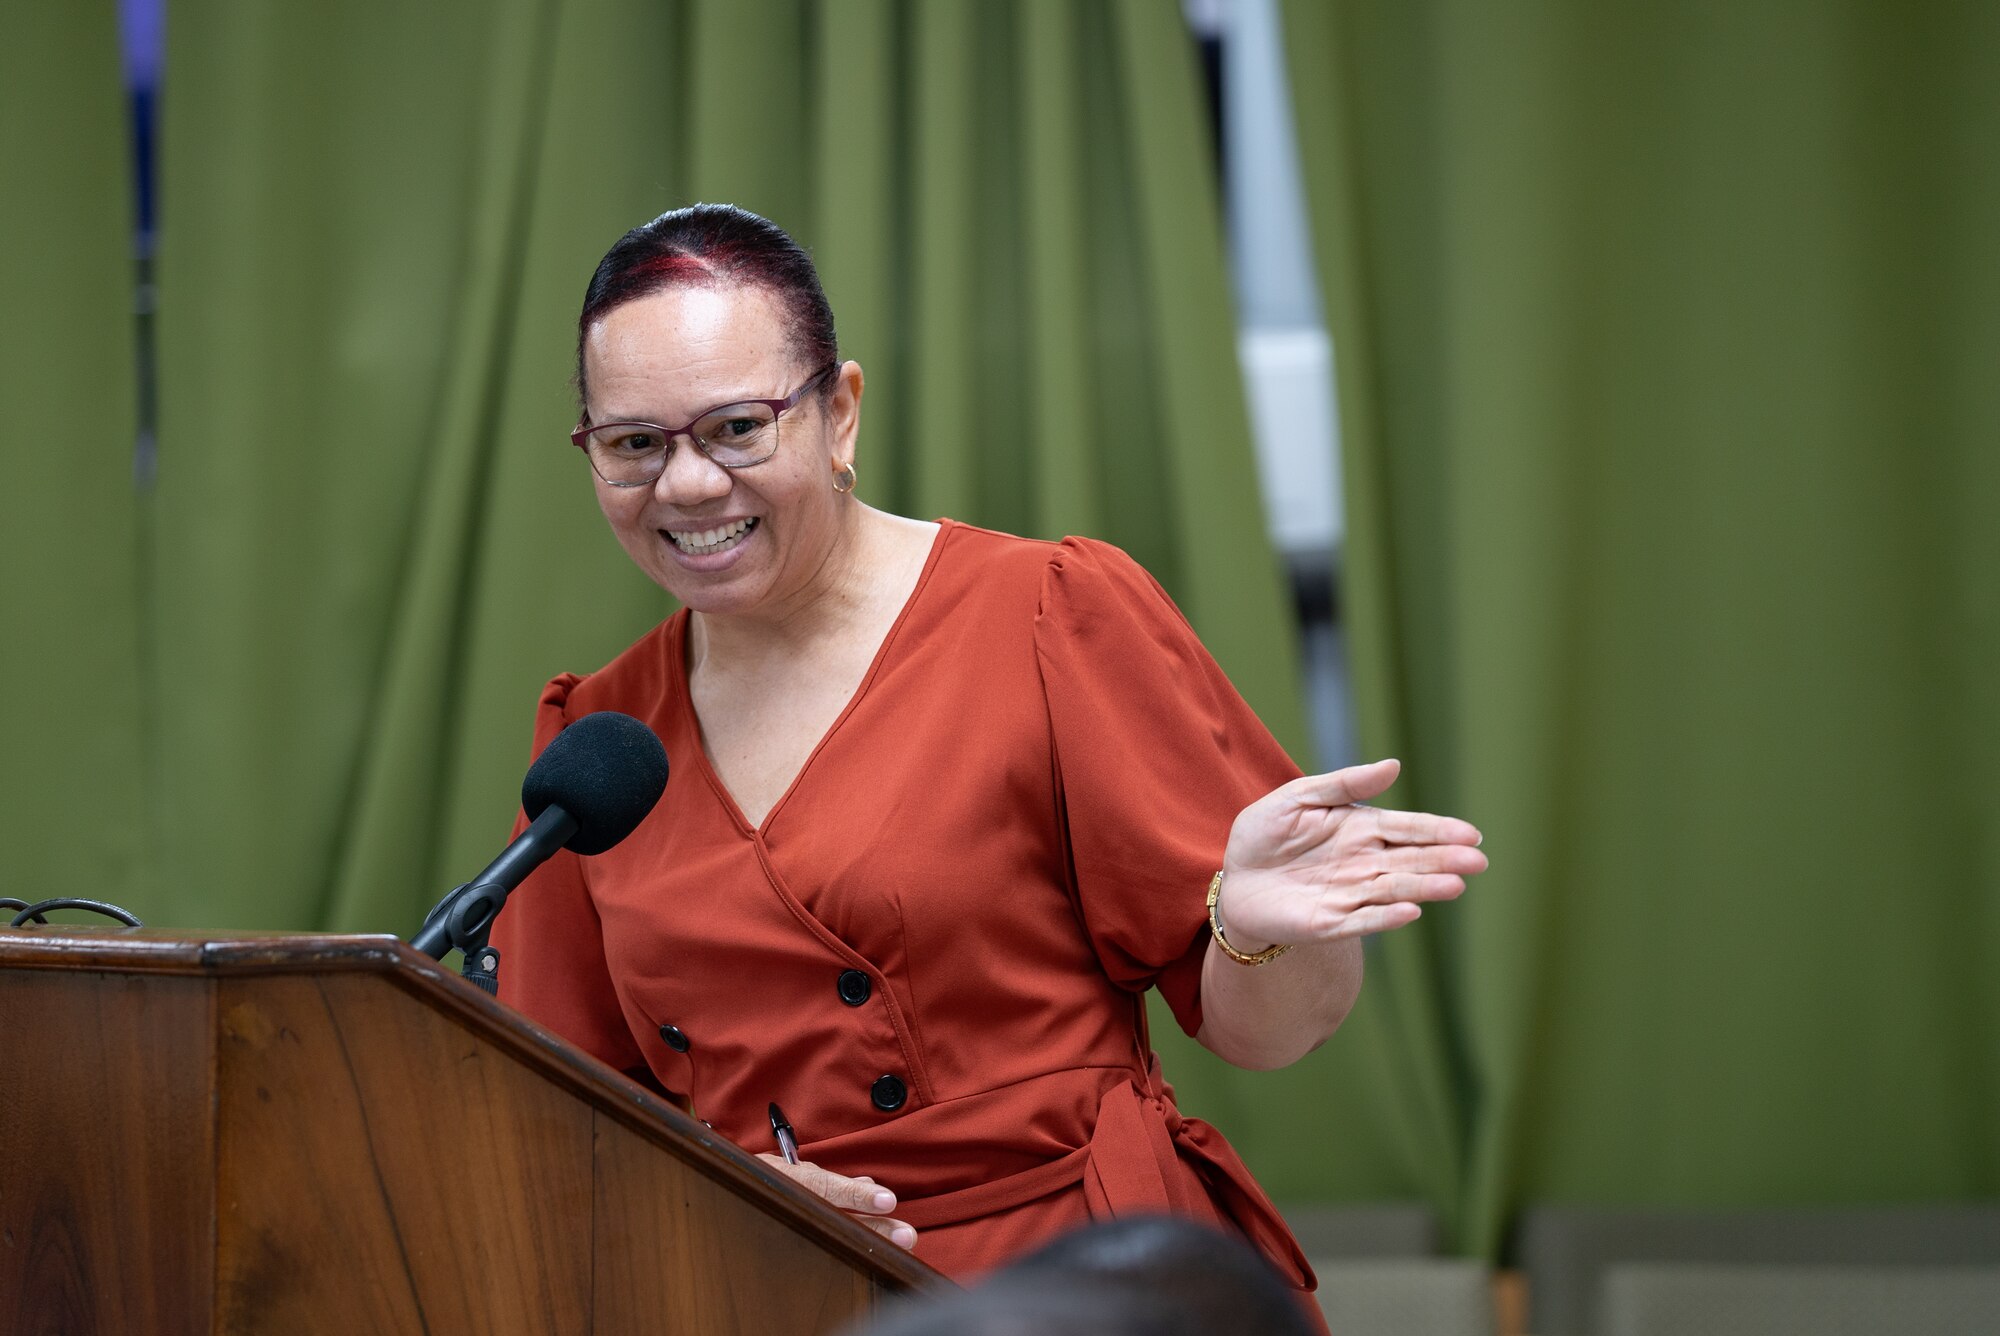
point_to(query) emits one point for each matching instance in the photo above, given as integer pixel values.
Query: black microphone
(590, 788)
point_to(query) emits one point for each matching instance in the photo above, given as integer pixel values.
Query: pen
(788, 1142)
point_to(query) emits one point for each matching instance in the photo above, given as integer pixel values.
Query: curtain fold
(1656, 337)
(362, 409)
(1392, 1085)
(74, 816)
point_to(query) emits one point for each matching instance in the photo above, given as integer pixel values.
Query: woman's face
(671, 356)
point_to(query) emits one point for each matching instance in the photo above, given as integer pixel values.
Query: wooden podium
(298, 1134)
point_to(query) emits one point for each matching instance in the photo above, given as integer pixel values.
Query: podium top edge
(166, 951)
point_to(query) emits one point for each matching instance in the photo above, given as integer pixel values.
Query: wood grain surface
(378, 1160)
(106, 1187)
(709, 1262)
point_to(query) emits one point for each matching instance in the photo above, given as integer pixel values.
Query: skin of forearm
(1266, 1016)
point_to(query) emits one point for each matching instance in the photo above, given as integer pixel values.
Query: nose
(690, 477)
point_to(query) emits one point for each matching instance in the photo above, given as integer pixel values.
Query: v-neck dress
(933, 951)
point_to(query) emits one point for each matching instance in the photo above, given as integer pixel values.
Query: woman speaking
(944, 804)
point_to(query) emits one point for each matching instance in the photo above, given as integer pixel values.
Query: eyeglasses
(735, 436)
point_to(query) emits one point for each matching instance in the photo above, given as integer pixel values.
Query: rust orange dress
(933, 951)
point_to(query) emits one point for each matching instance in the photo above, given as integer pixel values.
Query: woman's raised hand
(863, 1198)
(1308, 862)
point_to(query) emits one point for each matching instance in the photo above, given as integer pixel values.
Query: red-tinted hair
(711, 245)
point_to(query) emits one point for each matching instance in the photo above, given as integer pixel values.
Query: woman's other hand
(1308, 862)
(863, 1198)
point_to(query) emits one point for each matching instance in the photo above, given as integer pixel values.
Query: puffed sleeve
(551, 946)
(1155, 756)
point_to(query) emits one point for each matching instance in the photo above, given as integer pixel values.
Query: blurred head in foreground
(1148, 1276)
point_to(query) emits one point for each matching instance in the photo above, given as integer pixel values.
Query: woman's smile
(713, 547)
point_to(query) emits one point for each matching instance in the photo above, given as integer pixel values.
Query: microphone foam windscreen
(606, 770)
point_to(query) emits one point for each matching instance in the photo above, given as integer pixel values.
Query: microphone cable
(36, 913)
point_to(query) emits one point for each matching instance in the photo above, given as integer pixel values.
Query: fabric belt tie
(1138, 1131)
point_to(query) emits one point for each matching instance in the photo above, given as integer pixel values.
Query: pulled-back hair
(712, 245)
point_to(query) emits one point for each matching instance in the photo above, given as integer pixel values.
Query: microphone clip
(462, 921)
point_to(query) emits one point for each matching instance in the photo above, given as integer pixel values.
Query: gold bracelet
(1264, 957)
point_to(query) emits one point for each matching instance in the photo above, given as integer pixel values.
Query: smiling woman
(952, 802)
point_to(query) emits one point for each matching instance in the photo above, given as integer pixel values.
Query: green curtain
(1015, 211)
(1667, 343)
(372, 543)
(72, 789)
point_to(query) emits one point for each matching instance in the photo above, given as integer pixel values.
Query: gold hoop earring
(844, 478)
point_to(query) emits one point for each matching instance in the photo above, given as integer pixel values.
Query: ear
(843, 411)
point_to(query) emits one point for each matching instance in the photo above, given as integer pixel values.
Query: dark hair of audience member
(1146, 1276)
(1018, 1306)
(1218, 1280)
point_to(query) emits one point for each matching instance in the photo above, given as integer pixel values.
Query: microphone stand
(464, 918)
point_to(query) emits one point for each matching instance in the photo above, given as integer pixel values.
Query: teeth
(704, 542)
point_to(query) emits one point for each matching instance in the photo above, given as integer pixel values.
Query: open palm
(1309, 862)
